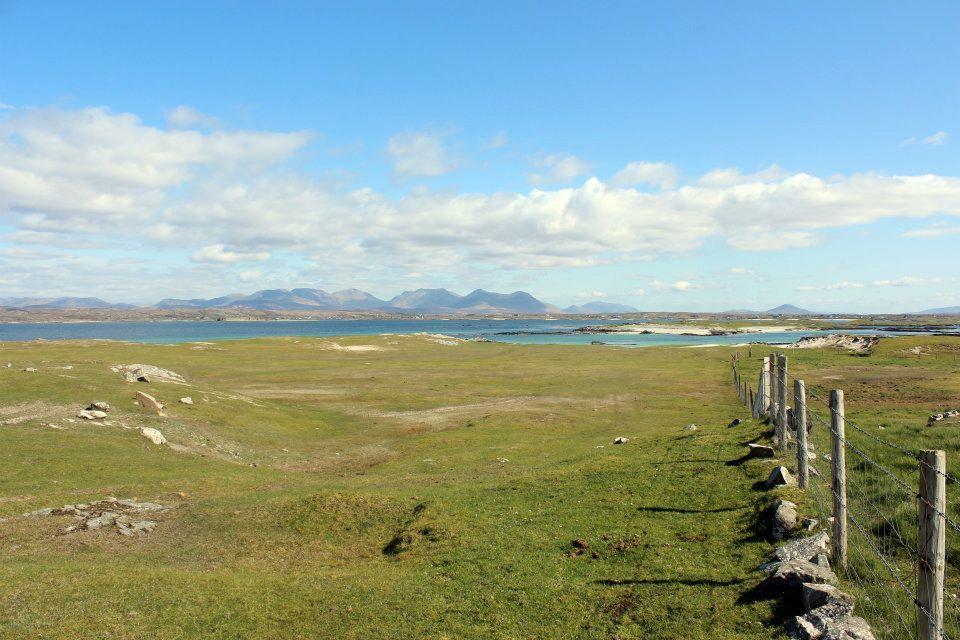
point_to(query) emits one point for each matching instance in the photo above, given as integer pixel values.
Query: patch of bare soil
(441, 417)
(280, 391)
(20, 413)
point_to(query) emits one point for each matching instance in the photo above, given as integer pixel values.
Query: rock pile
(106, 513)
(801, 571)
(940, 417)
(94, 411)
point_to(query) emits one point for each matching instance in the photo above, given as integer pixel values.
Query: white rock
(153, 435)
(148, 372)
(186, 400)
(620, 440)
(147, 401)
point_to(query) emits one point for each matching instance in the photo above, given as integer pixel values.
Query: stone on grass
(88, 414)
(816, 595)
(804, 548)
(784, 519)
(147, 401)
(760, 450)
(780, 477)
(99, 406)
(153, 435)
(791, 575)
(620, 440)
(734, 423)
(829, 622)
(148, 373)
(186, 400)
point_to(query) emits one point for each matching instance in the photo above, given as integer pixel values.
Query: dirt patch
(440, 417)
(266, 391)
(20, 413)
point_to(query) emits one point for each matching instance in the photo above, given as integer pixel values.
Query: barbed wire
(880, 532)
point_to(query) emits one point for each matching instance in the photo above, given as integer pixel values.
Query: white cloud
(912, 281)
(679, 285)
(591, 295)
(217, 253)
(937, 139)
(558, 168)
(186, 117)
(73, 171)
(499, 139)
(638, 292)
(419, 154)
(831, 287)
(741, 271)
(936, 231)
(658, 174)
(89, 177)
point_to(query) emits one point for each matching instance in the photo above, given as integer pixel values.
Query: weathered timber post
(753, 412)
(800, 421)
(765, 388)
(743, 396)
(838, 479)
(782, 401)
(774, 411)
(932, 544)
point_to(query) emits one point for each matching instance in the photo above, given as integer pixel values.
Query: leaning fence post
(838, 480)
(782, 401)
(800, 421)
(932, 543)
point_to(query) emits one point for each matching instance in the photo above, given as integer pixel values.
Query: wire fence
(894, 538)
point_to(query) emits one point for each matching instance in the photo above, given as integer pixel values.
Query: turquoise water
(512, 331)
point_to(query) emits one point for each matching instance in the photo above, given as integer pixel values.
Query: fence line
(891, 533)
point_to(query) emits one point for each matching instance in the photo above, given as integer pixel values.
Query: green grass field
(420, 490)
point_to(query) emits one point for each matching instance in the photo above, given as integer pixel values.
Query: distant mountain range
(942, 311)
(601, 307)
(61, 303)
(782, 310)
(421, 301)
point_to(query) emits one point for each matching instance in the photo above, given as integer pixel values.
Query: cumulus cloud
(76, 170)
(741, 271)
(558, 168)
(75, 178)
(419, 154)
(217, 253)
(658, 174)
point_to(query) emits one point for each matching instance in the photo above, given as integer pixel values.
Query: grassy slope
(295, 547)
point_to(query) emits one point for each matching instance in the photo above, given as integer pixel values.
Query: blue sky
(699, 157)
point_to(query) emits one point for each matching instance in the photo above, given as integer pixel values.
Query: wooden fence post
(782, 400)
(774, 411)
(765, 388)
(932, 543)
(800, 422)
(838, 480)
